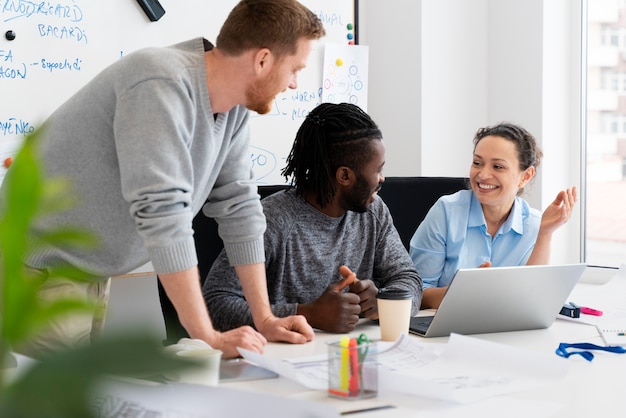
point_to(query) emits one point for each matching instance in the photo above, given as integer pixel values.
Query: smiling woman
(489, 225)
(506, 158)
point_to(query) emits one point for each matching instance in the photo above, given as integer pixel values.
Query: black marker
(373, 408)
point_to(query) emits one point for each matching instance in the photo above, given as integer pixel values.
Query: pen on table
(373, 408)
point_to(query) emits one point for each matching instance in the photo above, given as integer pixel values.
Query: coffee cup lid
(394, 294)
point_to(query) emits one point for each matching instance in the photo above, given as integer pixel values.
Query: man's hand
(335, 310)
(244, 337)
(366, 290)
(183, 289)
(291, 329)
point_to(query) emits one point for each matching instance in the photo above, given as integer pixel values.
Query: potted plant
(59, 384)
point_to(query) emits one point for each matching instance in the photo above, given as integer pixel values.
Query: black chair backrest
(408, 199)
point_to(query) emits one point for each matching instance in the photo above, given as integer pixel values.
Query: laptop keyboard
(420, 324)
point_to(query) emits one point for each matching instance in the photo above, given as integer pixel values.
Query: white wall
(440, 69)
(134, 305)
(393, 33)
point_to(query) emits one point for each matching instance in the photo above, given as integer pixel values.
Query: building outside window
(605, 225)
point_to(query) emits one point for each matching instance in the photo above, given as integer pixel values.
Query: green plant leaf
(39, 318)
(23, 188)
(61, 384)
(27, 195)
(57, 196)
(69, 237)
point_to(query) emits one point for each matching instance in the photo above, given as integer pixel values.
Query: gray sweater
(303, 251)
(143, 151)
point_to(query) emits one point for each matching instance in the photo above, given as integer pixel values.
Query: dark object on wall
(408, 199)
(152, 9)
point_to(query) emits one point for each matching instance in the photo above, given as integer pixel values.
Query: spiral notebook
(613, 332)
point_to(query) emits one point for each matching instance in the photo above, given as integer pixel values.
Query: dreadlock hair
(331, 136)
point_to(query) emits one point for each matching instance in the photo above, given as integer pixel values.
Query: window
(605, 225)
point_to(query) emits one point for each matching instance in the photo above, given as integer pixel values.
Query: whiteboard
(60, 45)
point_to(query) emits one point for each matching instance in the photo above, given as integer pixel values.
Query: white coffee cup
(207, 369)
(394, 313)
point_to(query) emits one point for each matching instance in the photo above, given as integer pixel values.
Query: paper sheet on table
(118, 398)
(471, 369)
(466, 369)
(312, 371)
(494, 407)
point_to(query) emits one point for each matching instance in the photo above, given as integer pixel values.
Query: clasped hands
(339, 309)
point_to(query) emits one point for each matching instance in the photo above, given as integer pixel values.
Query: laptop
(497, 299)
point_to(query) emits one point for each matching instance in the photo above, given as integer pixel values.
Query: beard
(358, 198)
(259, 98)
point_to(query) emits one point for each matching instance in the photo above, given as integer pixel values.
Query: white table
(594, 388)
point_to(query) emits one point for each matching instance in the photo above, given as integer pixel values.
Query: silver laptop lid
(496, 299)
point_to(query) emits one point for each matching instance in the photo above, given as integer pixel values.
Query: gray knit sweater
(143, 151)
(304, 249)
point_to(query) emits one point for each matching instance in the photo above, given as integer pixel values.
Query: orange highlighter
(354, 368)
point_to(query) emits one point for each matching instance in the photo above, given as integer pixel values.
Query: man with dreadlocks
(330, 242)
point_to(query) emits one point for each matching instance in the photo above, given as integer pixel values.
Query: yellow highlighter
(344, 372)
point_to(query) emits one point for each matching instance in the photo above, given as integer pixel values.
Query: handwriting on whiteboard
(59, 45)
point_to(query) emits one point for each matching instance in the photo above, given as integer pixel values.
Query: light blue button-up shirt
(454, 235)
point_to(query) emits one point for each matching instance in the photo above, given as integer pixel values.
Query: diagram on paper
(345, 74)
